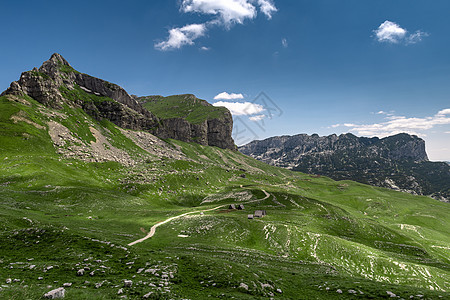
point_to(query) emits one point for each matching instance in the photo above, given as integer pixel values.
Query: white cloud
(447, 132)
(444, 112)
(226, 96)
(257, 118)
(267, 7)
(390, 32)
(179, 37)
(241, 109)
(228, 12)
(224, 13)
(205, 48)
(399, 124)
(285, 43)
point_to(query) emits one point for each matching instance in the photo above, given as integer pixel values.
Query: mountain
(105, 212)
(56, 84)
(399, 162)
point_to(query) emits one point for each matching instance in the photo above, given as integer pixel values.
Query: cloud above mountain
(241, 108)
(224, 13)
(227, 96)
(398, 124)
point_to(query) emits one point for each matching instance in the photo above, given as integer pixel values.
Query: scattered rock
(8, 281)
(127, 283)
(339, 291)
(67, 284)
(279, 291)
(120, 291)
(243, 286)
(391, 294)
(352, 292)
(80, 272)
(55, 294)
(146, 296)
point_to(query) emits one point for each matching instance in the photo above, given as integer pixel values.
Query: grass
(319, 236)
(188, 107)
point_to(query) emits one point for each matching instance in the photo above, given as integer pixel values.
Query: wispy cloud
(226, 96)
(267, 7)
(391, 32)
(205, 48)
(257, 118)
(284, 43)
(224, 13)
(398, 124)
(241, 108)
(179, 37)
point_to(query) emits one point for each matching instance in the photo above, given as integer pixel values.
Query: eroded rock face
(48, 84)
(213, 132)
(398, 162)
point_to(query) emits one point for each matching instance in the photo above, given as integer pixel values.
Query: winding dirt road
(153, 229)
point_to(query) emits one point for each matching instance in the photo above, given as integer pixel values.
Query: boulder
(55, 294)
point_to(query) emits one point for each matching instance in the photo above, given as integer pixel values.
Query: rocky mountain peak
(56, 83)
(57, 59)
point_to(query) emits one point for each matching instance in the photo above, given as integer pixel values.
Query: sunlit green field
(321, 239)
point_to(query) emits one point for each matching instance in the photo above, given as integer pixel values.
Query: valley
(93, 202)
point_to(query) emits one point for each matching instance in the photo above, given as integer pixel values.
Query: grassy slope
(319, 235)
(182, 106)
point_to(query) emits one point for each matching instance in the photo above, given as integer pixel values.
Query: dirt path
(153, 229)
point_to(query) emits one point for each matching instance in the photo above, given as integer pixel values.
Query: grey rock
(67, 284)
(127, 283)
(8, 280)
(80, 272)
(243, 286)
(339, 291)
(391, 294)
(120, 291)
(55, 294)
(146, 296)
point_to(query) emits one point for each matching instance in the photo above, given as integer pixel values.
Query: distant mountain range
(398, 162)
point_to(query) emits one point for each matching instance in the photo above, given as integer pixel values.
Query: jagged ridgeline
(399, 162)
(56, 85)
(92, 202)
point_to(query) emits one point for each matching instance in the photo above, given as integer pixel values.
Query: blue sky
(373, 68)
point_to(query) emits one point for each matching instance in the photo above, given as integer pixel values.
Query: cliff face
(56, 84)
(399, 162)
(190, 119)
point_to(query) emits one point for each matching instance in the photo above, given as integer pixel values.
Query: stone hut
(260, 213)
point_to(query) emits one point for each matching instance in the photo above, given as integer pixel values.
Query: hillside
(76, 190)
(398, 162)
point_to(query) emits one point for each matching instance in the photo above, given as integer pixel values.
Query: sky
(282, 67)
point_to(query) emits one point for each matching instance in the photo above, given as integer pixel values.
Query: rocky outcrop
(46, 85)
(399, 162)
(212, 126)
(56, 83)
(213, 132)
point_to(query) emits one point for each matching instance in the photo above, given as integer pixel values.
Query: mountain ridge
(57, 83)
(399, 162)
